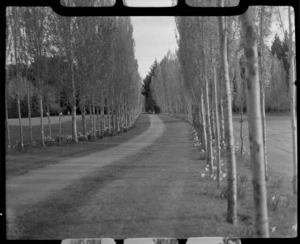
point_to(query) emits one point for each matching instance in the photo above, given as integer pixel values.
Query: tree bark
(209, 154)
(6, 118)
(102, 113)
(83, 118)
(262, 92)
(91, 116)
(98, 119)
(231, 163)
(203, 123)
(293, 105)
(109, 118)
(41, 118)
(49, 121)
(218, 153)
(73, 107)
(255, 127)
(222, 129)
(29, 116)
(20, 122)
(60, 134)
(212, 114)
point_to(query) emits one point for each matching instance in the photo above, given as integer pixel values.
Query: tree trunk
(209, 154)
(91, 116)
(109, 118)
(74, 122)
(29, 116)
(262, 92)
(49, 121)
(241, 129)
(255, 127)
(218, 154)
(98, 119)
(222, 129)
(42, 122)
(102, 113)
(60, 134)
(119, 118)
(212, 115)
(203, 123)
(83, 113)
(83, 118)
(231, 164)
(293, 105)
(20, 122)
(6, 119)
(242, 113)
(125, 113)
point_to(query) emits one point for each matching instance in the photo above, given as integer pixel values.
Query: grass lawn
(18, 162)
(282, 204)
(66, 128)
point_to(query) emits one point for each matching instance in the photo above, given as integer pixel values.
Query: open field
(37, 120)
(32, 158)
(66, 128)
(279, 141)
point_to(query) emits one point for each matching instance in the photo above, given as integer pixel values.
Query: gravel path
(136, 189)
(37, 184)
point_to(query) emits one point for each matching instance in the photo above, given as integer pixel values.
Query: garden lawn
(66, 128)
(18, 162)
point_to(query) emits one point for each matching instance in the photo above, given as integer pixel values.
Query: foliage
(150, 104)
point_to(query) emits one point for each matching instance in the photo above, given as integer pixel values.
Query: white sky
(153, 36)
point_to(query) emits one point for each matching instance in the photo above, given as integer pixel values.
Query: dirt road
(146, 187)
(136, 188)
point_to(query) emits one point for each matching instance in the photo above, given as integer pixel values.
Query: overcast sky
(154, 36)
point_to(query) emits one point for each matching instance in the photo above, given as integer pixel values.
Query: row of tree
(57, 63)
(222, 63)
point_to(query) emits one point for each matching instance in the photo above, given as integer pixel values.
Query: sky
(155, 36)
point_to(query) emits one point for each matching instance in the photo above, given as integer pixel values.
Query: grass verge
(20, 162)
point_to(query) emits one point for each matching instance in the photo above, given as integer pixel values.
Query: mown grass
(20, 162)
(282, 204)
(66, 129)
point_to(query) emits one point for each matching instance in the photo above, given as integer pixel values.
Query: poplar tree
(293, 102)
(255, 126)
(231, 163)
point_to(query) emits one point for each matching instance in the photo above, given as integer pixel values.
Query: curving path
(38, 184)
(138, 188)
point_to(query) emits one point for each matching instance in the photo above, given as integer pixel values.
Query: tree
(149, 102)
(255, 126)
(37, 36)
(293, 102)
(231, 163)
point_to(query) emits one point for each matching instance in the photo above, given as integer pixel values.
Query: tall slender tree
(231, 163)
(255, 126)
(293, 102)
